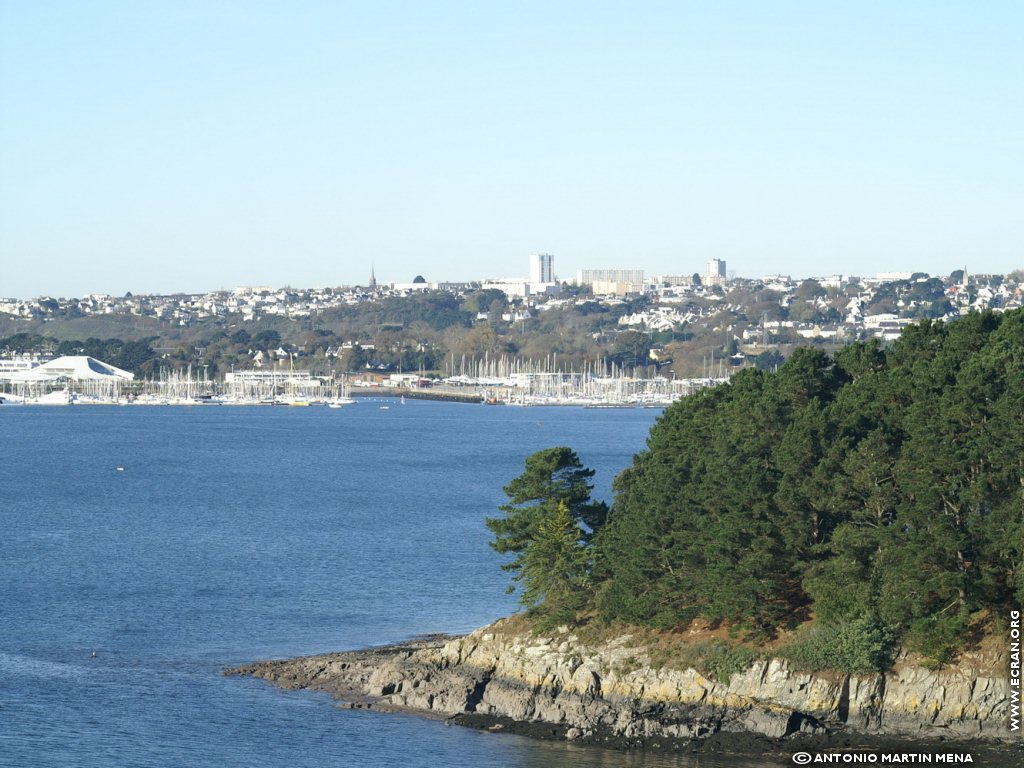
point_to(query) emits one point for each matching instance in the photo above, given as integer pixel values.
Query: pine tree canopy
(879, 485)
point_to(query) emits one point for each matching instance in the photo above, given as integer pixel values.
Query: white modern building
(78, 369)
(56, 380)
(16, 366)
(517, 288)
(612, 282)
(542, 268)
(591, 276)
(612, 288)
(716, 272)
(674, 281)
(541, 281)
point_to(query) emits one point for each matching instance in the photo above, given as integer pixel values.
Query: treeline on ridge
(876, 488)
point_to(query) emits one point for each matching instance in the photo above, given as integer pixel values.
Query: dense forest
(877, 494)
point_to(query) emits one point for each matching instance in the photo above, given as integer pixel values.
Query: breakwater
(448, 396)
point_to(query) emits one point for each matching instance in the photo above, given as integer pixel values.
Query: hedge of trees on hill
(882, 488)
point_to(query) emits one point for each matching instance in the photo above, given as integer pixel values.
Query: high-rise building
(542, 268)
(619, 282)
(716, 269)
(591, 276)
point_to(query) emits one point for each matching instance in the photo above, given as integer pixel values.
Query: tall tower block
(716, 269)
(542, 268)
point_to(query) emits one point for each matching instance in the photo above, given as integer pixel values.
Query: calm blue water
(236, 534)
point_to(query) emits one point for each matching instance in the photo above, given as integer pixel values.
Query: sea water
(230, 535)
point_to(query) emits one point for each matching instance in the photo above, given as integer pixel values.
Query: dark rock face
(554, 687)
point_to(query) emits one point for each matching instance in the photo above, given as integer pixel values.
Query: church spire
(373, 278)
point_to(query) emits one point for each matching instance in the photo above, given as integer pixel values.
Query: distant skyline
(204, 144)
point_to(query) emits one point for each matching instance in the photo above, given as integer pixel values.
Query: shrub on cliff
(859, 646)
(716, 659)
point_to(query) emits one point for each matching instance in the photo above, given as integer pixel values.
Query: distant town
(698, 326)
(877, 306)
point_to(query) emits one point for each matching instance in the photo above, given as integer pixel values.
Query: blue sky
(187, 146)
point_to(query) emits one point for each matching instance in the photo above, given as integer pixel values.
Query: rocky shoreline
(500, 678)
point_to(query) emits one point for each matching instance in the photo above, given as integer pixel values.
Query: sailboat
(340, 399)
(291, 399)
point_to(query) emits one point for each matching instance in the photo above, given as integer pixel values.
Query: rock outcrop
(496, 676)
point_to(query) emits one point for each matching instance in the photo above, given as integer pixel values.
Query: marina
(513, 382)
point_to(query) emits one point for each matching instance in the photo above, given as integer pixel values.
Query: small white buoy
(94, 654)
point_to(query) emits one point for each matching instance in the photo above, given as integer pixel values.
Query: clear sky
(156, 147)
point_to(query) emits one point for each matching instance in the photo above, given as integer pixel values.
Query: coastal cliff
(554, 685)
